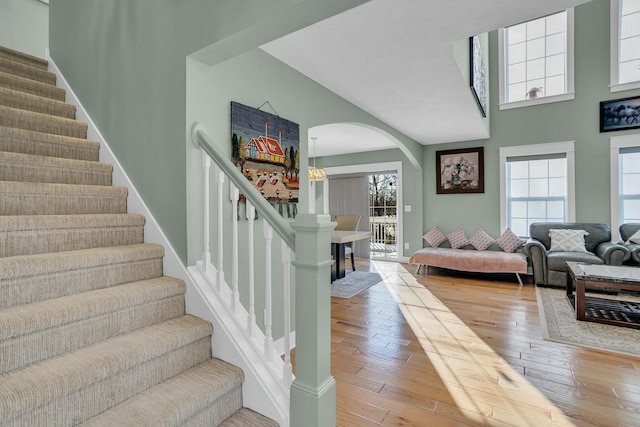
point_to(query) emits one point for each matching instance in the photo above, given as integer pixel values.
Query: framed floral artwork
(460, 171)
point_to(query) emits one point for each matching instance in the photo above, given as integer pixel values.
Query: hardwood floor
(458, 350)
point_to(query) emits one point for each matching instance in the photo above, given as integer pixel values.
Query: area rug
(354, 283)
(560, 325)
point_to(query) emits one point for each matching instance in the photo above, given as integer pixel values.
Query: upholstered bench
(471, 260)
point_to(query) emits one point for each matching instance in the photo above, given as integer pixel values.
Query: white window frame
(569, 95)
(614, 85)
(566, 147)
(615, 144)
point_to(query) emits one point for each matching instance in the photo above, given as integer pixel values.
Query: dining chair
(348, 222)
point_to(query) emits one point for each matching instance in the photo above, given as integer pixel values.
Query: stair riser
(22, 101)
(96, 398)
(218, 411)
(42, 144)
(60, 204)
(29, 289)
(39, 241)
(11, 117)
(33, 87)
(26, 71)
(23, 58)
(52, 174)
(21, 351)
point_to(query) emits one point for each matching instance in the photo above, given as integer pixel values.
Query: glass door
(383, 215)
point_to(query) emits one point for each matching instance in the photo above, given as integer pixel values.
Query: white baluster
(251, 319)
(220, 182)
(206, 253)
(234, 196)
(287, 374)
(268, 338)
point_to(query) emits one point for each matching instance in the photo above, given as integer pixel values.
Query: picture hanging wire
(268, 103)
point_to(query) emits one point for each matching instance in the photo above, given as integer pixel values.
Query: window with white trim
(629, 184)
(536, 61)
(625, 44)
(536, 185)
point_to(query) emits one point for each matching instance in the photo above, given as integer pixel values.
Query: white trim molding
(566, 147)
(615, 144)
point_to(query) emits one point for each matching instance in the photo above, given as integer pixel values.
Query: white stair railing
(212, 266)
(310, 395)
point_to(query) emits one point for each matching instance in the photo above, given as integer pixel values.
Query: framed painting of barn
(266, 149)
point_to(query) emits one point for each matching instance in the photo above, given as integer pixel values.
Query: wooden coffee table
(603, 310)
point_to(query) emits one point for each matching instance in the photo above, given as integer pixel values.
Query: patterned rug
(560, 325)
(354, 283)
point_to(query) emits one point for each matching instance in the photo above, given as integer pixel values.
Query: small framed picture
(460, 171)
(620, 114)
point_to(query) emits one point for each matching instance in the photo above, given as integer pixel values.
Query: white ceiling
(393, 59)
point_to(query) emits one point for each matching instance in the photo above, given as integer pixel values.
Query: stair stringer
(259, 391)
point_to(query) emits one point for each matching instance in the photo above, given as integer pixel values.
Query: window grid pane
(629, 41)
(529, 49)
(536, 192)
(629, 187)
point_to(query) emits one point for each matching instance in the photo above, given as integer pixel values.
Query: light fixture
(316, 174)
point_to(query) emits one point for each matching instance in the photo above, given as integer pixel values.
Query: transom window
(625, 44)
(536, 185)
(536, 60)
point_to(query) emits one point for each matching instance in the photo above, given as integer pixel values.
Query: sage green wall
(562, 121)
(125, 60)
(412, 190)
(24, 26)
(255, 78)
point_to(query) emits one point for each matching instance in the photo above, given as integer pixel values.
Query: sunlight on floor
(482, 384)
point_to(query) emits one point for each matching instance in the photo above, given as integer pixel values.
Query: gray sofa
(626, 231)
(549, 268)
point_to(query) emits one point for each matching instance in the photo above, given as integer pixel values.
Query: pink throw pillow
(457, 238)
(481, 240)
(509, 242)
(434, 237)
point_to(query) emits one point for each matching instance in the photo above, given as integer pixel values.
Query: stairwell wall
(24, 26)
(126, 63)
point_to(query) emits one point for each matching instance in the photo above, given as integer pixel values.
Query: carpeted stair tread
(30, 333)
(28, 120)
(46, 144)
(54, 381)
(24, 58)
(30, 278)
(27, 71)
(175, 401)
(33, 234)
(33, 168)
(26, 101)
(33, 87)
(36, 198)
(246, 417)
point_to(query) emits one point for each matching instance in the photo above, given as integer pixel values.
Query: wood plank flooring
(449, 349)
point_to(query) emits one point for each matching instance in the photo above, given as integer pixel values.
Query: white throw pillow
(481, 240)
(434, 237)
(457, 238)
(567, 240)
(635, 238)
(509, 241)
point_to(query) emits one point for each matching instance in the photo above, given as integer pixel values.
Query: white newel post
(287, 374)
(206, 253)
(313, 392)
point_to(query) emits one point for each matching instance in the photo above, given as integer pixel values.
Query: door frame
(370, 169)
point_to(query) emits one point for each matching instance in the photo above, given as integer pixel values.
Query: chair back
(627, 230)
(347, 222)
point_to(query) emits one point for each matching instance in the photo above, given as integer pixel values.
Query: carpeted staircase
(91, 332)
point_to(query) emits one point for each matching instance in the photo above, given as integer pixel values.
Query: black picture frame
(620, 114)
(460, 171)
(478, 74)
